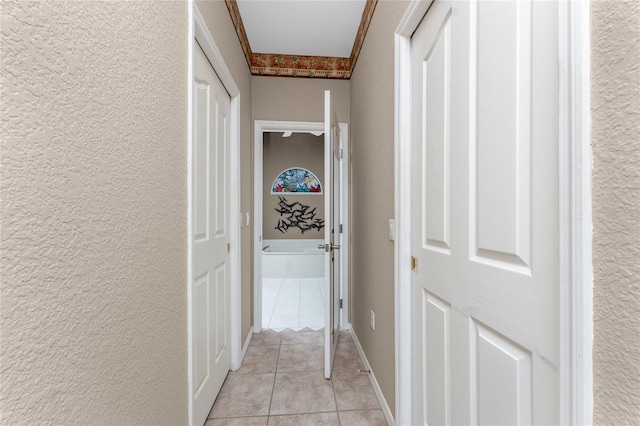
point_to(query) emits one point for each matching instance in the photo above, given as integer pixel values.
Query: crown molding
(274, 64)
(232, 6)
(367, 14)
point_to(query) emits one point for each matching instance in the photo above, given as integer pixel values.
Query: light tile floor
(281, 382)
(292, 303)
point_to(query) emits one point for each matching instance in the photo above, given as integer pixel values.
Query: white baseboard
(374, 382)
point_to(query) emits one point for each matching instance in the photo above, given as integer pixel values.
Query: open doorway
(289, 226)
(293, 227)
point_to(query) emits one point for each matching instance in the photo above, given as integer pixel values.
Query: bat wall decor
(295, 215)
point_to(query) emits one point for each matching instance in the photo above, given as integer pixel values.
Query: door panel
(201, 347)
(210, 291)
(436, 153)
(221, 312)
(331, 232)
(484, 213)
(436, 326)
(504, 379)
(502, 76)
(201, 171)
(220, 172)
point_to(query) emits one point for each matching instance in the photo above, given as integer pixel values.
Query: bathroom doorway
(289, 219)
(293, 227)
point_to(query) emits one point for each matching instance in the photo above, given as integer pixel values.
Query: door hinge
(414, 264)
(228, 247)
(340, 303)
(341, 153)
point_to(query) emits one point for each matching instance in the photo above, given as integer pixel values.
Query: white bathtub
(292, 259)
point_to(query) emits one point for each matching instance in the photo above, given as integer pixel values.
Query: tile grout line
(273, 311)
(275, 303)
(266, 325)
(333, 386)
(299, 299)
(275, 375)
(335, 398)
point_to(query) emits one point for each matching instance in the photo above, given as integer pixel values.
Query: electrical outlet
(373, 321)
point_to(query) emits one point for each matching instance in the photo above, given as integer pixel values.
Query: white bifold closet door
(210, 239)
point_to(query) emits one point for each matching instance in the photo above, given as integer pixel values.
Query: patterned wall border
(301, 66)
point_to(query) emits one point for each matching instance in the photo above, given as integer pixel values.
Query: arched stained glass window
(296, 180)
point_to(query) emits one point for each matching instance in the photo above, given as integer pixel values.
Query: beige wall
(218, 21)
(372, 193)
(299, 150)
(93, 317)
(297, 99)
(615, 103)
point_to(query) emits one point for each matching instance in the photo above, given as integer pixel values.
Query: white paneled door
(210, 286)
(484, 213)
(332, 236)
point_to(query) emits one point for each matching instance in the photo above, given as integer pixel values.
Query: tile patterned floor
(292, 303)
(281, 382)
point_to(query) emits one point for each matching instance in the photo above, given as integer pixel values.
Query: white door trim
(261, 127)
(402, 209)
(199, 31)
(575, 276)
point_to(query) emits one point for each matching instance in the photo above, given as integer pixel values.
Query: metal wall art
(295, 215)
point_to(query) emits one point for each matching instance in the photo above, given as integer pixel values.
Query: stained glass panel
(296, 180)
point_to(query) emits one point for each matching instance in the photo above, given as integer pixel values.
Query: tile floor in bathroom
(292, 303)
(281, 382)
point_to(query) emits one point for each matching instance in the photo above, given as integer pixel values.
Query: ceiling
(301, 38)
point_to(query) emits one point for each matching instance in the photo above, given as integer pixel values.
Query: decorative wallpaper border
(273, 64)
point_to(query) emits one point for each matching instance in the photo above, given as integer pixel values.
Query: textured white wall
(615, 67)
(93, 318)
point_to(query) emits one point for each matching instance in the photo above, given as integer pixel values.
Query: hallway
(477, 266)
(281, 382)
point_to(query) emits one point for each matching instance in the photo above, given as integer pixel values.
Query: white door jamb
(575, 275)
(402, 209)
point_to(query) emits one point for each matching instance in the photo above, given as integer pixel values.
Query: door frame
(199, 32)
(265, 126)
(575, 380)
